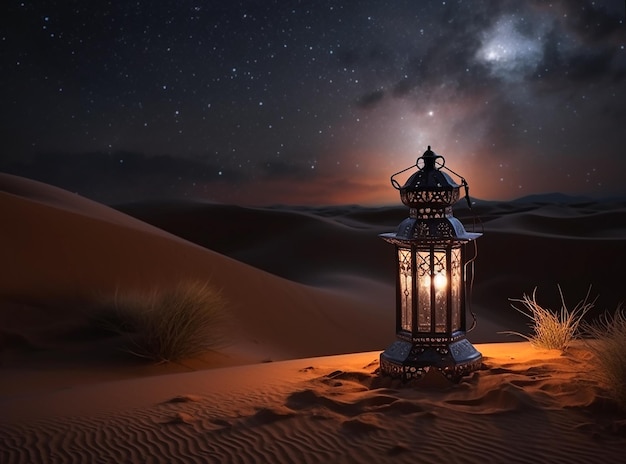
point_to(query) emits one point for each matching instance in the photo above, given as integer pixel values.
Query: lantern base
(409, 361)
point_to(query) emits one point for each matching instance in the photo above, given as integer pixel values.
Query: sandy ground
(311, 300)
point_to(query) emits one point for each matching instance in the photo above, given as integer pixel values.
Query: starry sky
(260, 102)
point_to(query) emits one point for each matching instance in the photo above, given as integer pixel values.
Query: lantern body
(430, 281)
(429, 278)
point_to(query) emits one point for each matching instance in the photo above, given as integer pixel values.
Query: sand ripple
(537, 411)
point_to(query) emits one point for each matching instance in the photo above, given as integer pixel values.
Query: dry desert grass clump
(608, 345)
(167, 324)
(552, 329)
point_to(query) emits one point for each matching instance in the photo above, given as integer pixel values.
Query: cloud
(370, 99)
(119, 176)
(590, 66)
(589, 61)
(122, 176)
(297, 168)
(592, 22)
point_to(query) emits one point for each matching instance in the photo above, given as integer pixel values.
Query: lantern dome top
(429, 186)
(430, 193)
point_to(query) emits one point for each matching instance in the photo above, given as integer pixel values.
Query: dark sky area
(312, 102)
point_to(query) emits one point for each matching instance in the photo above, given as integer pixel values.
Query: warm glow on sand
(524, 402)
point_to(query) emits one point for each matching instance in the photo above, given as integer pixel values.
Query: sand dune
(301, 283)
(295, 243)
(61, 258)
(525, 405)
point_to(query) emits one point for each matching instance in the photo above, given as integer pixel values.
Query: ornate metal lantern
(431, 278)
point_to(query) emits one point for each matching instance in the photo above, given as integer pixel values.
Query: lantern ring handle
(438, 160)
(394, 182)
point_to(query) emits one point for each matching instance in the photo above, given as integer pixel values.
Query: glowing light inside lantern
(441, 281)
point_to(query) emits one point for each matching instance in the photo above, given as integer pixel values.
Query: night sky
(312, 102)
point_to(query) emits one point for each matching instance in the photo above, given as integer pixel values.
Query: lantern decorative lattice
(431, 279)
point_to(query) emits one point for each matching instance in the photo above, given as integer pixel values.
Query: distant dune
(527, 243)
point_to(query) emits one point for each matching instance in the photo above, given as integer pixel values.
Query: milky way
(312, 102)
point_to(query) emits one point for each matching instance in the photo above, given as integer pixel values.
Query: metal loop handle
(394, 182)
(440, 163)
(465, 186)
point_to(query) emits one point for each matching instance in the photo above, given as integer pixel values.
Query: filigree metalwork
(445, 230)
(417, 198)
(422, 230)
(430, 213)
(410, 363)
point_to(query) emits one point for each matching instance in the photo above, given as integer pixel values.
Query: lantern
(431, 278)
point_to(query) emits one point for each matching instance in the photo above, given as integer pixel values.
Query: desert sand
(311, 295)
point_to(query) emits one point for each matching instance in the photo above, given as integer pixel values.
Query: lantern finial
(429, 157)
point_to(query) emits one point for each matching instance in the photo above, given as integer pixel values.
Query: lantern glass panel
(406, 288)
(455, 273)
(423, 276)
(433, 287)
(440, 284)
